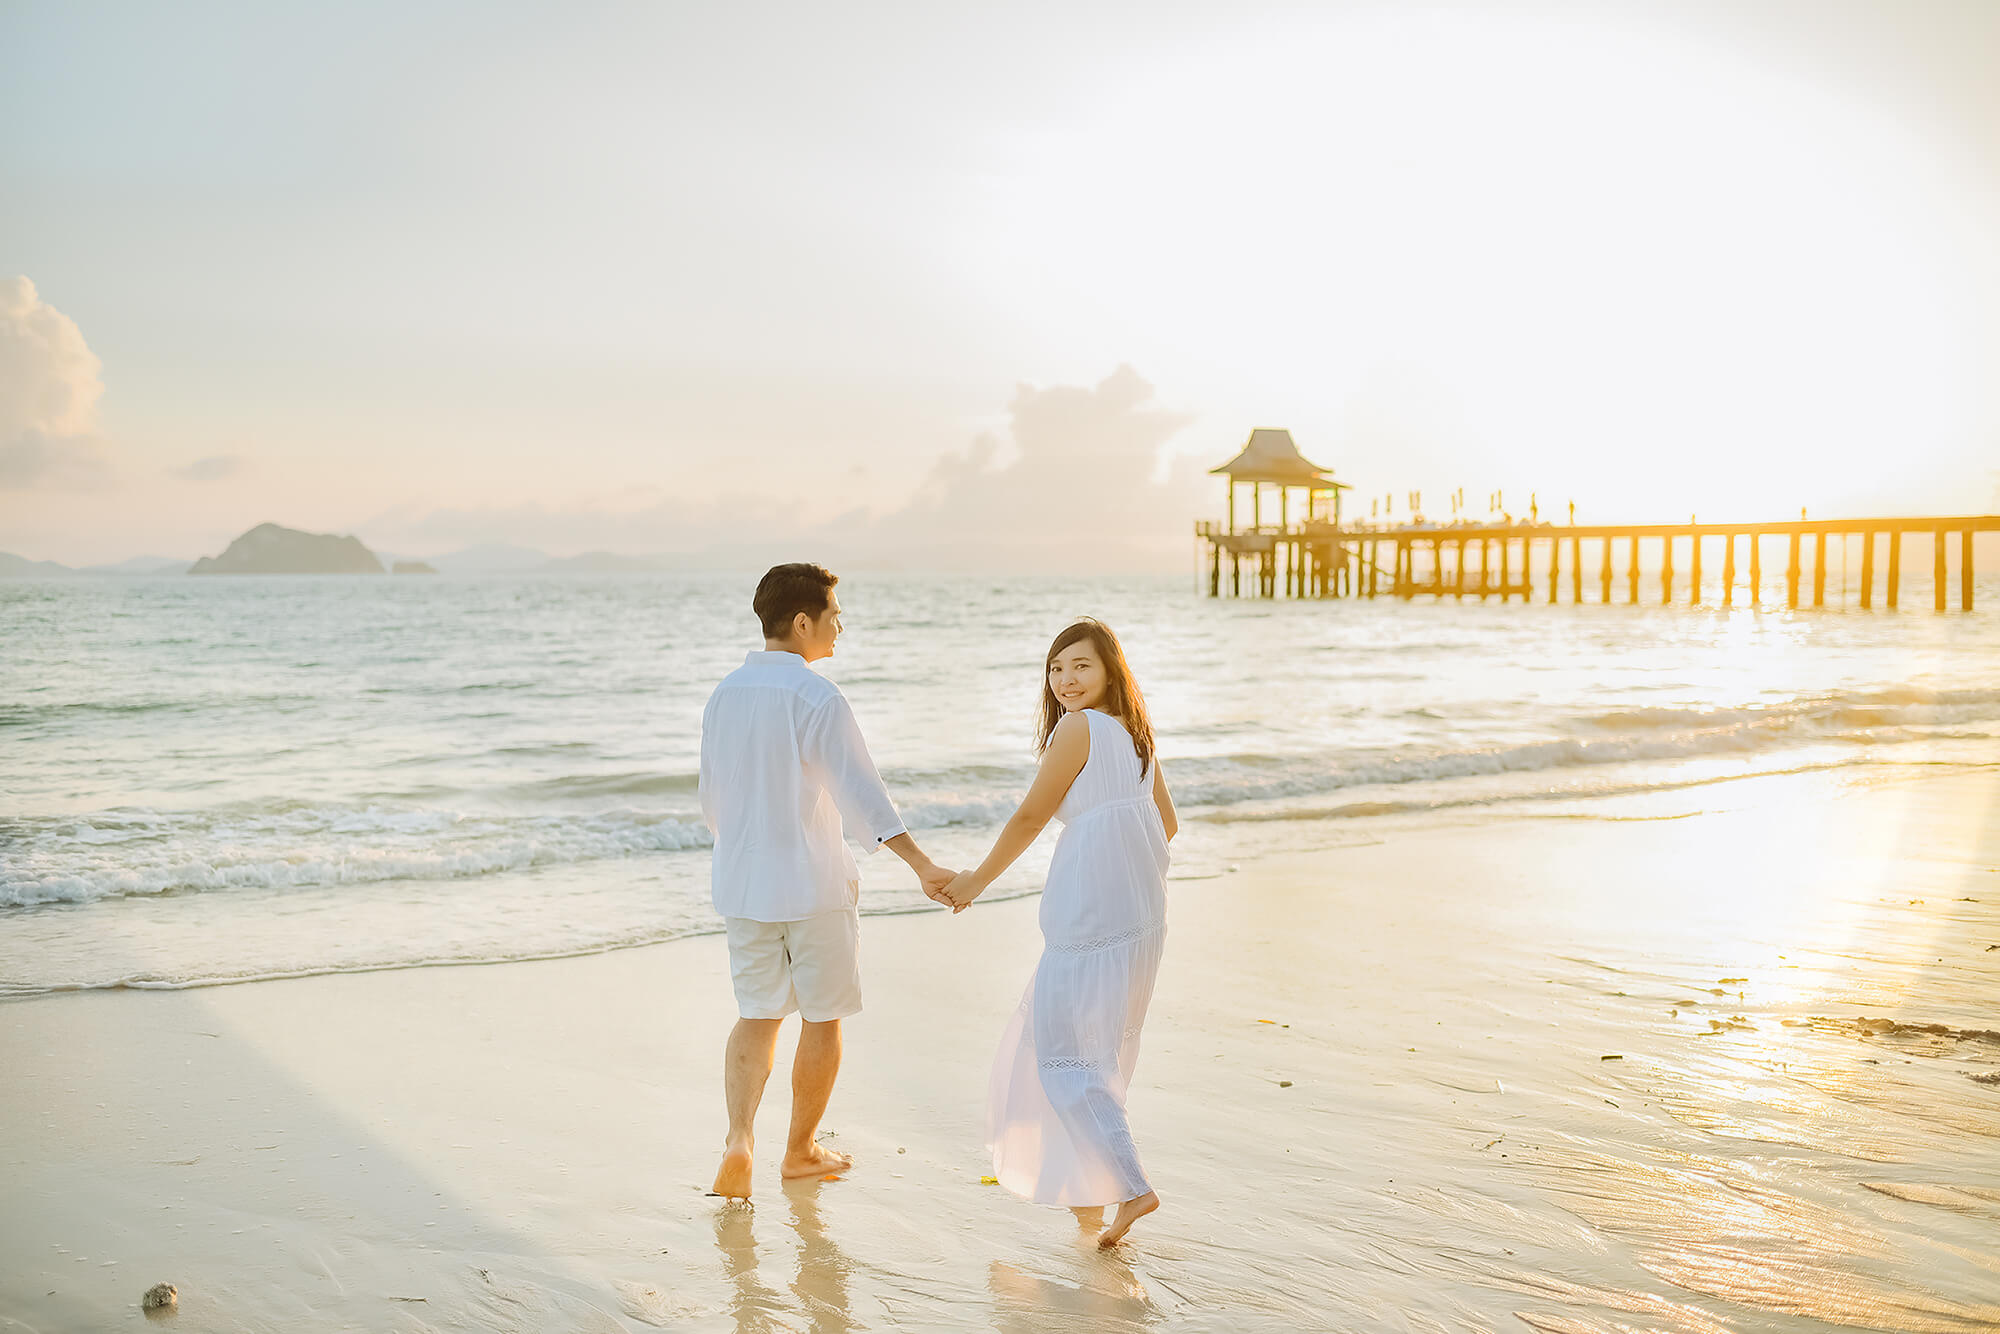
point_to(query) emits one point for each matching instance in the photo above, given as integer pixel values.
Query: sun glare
(1642, 273)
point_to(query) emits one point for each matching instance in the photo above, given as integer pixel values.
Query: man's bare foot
(732, 1179)
(1090, 1215)
(816, 1161)
(1128, 1213)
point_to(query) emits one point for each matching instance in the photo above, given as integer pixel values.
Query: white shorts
(812, 965)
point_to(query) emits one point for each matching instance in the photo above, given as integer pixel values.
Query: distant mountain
(20, 567)
(271, 549)
(412, 567)
(609, 562)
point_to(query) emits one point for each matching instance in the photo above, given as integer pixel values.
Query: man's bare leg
(746, 1067)
(1128, 1213)
(813, 1072)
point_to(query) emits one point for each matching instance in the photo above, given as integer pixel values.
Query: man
(783, 769)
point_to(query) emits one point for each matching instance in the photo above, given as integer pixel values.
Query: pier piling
(1937, 570)
(1965, 570)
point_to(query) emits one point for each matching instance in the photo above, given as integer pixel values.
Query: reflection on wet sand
(1108, 1297)
(820, 1283)
(1781, 1241)
(755, 1306)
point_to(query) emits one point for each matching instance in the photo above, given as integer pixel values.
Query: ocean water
(215, 780)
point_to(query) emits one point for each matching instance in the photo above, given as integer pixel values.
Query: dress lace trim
(1125, 937)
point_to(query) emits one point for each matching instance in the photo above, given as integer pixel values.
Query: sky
(935, 286)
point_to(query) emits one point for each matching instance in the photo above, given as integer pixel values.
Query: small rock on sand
(161, 1297)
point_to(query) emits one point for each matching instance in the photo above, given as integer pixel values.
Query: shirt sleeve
(837, 755)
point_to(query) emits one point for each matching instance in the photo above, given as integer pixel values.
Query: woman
(1056, 1108)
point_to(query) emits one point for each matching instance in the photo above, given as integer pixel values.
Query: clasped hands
(955, 889)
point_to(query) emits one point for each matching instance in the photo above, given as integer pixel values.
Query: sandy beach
(1712, 1059)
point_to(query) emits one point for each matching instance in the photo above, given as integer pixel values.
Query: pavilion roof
(1270, 456)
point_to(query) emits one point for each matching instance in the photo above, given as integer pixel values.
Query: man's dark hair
(787, 590)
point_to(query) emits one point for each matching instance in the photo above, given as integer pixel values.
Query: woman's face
(1076, 677)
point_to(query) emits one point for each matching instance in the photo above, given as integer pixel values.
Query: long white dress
(1055, 1116)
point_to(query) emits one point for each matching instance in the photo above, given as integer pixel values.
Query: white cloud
(49, 387)
(1085, 482)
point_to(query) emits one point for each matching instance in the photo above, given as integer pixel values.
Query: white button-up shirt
(782, 763)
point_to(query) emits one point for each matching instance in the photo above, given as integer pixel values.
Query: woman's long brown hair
(1122, 699)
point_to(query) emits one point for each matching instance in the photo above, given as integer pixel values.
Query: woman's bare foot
(1128, 1213)
(732, 1179)
(816, 1161)
(1091, 1215)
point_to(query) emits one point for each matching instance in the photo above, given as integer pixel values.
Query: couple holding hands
(786, 779)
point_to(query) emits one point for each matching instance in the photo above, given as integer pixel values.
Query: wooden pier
(1319, 560)
(1320, 557)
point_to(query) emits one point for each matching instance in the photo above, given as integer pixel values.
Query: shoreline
(1218, 837)
(1426, 1124)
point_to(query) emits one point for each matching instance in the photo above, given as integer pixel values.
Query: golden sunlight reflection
(1711, 1227)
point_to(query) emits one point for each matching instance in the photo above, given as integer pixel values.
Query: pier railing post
(1895, 567)
(1555, 567)
(1867, 569)
(1632, 573)
(1819, 569)
(1729, 570)
(1576, 570)
(1504, 589)
(1458, 585)
(1667, 570)
(1604, 572)
(1792, 574)
(1756, 569)
(1694, 574)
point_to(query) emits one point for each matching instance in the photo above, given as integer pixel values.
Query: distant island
(412, 567)
(270, 549)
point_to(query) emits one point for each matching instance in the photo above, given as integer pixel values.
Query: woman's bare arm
(1069, 750)
(1164, 800)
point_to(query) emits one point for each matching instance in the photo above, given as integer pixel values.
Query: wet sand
(1717, 1060)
